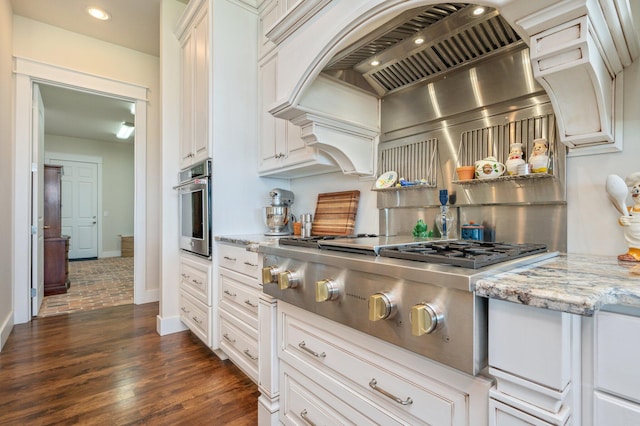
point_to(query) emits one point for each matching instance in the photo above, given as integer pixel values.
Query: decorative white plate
(387, 180)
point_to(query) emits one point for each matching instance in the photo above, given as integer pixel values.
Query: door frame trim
(78, 158)
(27, 72)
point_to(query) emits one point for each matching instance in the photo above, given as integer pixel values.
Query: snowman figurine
(515, 159)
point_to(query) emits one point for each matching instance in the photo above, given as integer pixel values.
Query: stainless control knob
(288, 279)
(326, 290)
(380, 307)
(270, 274)
(425, 318)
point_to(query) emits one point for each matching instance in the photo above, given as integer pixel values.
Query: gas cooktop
(464, 253)
(316, 240)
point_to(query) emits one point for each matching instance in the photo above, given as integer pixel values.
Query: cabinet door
(268, 17)
(52, 201)
(186, 126)
(201, 88)
(272, 147)
(609, 410)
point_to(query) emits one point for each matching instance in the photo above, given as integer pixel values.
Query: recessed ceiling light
(375, 63)
(478, 11)
(126, 129)
(419, 40)
(98, 13)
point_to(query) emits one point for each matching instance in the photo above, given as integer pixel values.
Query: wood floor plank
(109, 366)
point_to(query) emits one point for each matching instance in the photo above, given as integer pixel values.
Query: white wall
(6, 174)
(55, 46)
(117, 183)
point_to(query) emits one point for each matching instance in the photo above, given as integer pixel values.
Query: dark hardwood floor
(110, 367)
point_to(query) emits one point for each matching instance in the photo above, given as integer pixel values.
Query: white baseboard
(5, 329)
(169, 325)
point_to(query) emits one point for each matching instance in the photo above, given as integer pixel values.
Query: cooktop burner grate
(466, 254)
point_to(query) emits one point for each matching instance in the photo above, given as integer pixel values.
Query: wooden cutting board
(335, 213)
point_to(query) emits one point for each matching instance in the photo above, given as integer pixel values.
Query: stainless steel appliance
(428, 306)
(277, 216)
(195, 208)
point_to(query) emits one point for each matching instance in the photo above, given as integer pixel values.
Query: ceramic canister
(472, 232)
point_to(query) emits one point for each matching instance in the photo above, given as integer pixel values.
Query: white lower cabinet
(534, 354)
(195, 296)
(247, 323)
(616, 399)
(332, 374)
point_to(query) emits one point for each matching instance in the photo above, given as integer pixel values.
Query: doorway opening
(28, 74)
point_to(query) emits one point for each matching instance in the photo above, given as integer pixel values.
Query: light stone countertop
(574, 283)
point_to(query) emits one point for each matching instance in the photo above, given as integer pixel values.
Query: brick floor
(95, 284)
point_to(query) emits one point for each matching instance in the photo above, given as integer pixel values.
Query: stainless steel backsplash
(472, 114)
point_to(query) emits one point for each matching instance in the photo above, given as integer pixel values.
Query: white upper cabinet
(195, 60)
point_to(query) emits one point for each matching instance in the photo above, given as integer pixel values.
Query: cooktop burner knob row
(425, 318)
(270, 274)
(288, 279)
(327, 290)
(380, 307)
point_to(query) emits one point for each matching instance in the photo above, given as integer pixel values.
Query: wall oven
(195, 208)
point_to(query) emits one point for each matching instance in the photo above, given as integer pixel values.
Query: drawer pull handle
(185, 276)
(247, 353)
(196, 282)
(229, 293)
(303, 414)
(248, 302)
(198, 321)
(185, 310)
(231, 259)
(253, 265)
(374, 385)
(229, 339)
(304, 347)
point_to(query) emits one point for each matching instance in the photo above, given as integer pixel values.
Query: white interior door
(37, 203)
(80, 207)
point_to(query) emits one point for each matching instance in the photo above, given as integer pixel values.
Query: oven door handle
(184, 186)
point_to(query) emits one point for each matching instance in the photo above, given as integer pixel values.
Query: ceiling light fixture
(478, 11)
(126, 129)
(375, 63)
(419, 40)
(98, 13)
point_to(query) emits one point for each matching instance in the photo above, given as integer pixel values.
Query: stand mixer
(277, 216)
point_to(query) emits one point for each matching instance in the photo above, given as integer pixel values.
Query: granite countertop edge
(573, 283)
(251, 241)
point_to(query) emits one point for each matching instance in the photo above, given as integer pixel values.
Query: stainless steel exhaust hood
(424, 44)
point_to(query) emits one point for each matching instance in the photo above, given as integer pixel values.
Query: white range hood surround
(579, 49)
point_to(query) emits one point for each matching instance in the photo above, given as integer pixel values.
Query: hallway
(95, 284)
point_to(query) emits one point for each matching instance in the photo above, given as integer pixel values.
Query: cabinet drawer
(197, 316)
(504, 415)
(306, 402)
(419, 399)
(241, 348)
(195, 278)
(617, 354)
(609, 410)
(235, 291)
(238, 259)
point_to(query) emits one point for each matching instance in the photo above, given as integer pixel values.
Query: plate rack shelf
(415, 162)
(495, 141)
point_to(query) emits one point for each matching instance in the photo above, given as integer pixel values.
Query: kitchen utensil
(466, 172)
(489, 168)
(278, 216)
(336, 213)
(618, 192)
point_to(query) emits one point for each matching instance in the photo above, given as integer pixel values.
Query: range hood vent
(452, 37)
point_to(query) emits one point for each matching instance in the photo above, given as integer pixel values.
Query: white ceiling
(134, 24)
